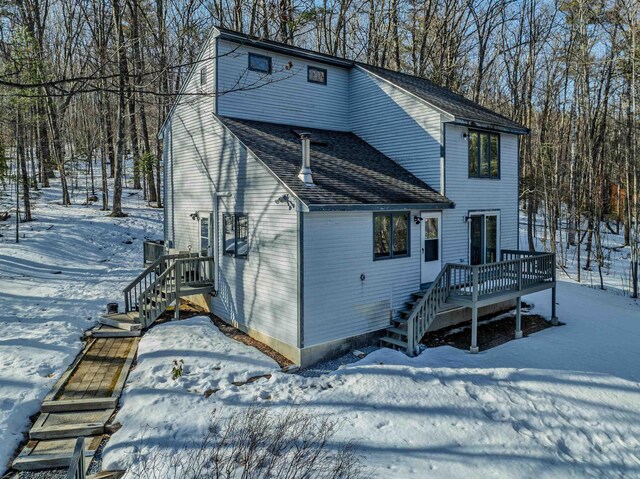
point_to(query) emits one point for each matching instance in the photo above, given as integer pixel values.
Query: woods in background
(86, 84)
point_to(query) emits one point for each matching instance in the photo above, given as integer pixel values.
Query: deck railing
(134, 289)
(152, 250)
(192, 271)
(518, 271)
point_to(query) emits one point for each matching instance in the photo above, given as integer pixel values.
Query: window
(204, 235)
(431, 239)
(259, 63)
(203, 76)
(390, 235)
(317, 75)
(236, 235)
(484, 155)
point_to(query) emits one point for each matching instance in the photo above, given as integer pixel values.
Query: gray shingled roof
(346, 169)
(457, 105)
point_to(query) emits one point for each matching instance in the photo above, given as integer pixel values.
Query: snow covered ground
(616, 271)
(69, 263)
(561, 403)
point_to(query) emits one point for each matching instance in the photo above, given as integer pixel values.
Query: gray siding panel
(202, 158)
(284, 97)
(338, 248)
(397, 124)
(471, 194)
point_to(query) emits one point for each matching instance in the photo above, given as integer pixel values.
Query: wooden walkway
(80, 404)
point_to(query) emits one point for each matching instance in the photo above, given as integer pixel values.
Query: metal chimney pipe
(305, 171)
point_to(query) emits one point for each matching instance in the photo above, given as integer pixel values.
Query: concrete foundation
(313, 354)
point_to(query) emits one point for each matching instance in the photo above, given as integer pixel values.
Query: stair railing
(165, 289)
(427, 309)
(145, 279)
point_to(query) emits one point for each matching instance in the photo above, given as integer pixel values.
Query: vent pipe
(305, 171)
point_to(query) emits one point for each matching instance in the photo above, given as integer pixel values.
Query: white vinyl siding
(285, 96)
(338, 248)
(183, 135)
(397, 124)
(202, 158)
(477, 194)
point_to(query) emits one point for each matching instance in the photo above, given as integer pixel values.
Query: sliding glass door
(483, 237)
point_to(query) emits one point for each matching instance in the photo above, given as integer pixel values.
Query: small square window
(259, 63)
(317, 75)
(203, 76)
(236, 235)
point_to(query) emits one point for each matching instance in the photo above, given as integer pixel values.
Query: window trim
(479, 176)
(203, 75)
(309, 68)
(236, 217)
(391, 255)
(257, 55)
(485, 213)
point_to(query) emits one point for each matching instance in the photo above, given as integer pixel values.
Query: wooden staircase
(421, 310)
(161, 284)
(472, 286)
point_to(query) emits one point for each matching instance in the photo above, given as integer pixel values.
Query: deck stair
(161, 284)
(471, 286)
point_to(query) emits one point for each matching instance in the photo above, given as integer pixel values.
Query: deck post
(518, 318)
(474, 330)
(554, 317)
(178, 273)
(474, 310)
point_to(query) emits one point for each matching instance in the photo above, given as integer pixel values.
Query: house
(339, 202)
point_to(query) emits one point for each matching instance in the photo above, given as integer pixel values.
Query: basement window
(259, 63)
(390, 235)
(236, 235)
(317, 75)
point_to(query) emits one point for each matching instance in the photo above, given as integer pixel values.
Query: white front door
(431, 246)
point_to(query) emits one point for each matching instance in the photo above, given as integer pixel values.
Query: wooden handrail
(165, 288)
(477, 281)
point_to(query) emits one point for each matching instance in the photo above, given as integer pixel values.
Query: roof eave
(381, 207)
(515, 130)
(299, 52)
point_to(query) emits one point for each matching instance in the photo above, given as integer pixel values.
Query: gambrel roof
(347, 172)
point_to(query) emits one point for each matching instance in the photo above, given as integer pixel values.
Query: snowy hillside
(69, 263)
(561, 403)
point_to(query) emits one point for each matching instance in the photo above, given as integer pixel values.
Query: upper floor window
(317, 75)
(259, 63)
(236, 235)
(390, 235)
(484, 155)
(203, 76)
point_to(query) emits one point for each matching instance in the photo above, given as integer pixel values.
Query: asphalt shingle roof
(448, 101)
(346, 169)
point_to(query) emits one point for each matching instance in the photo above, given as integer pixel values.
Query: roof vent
(305, 171)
